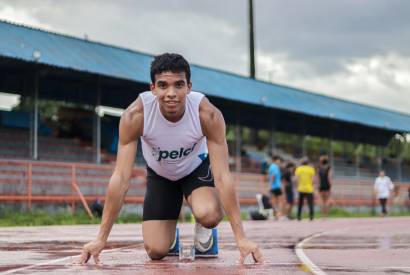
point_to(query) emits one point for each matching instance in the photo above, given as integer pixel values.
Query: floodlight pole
(251, 41)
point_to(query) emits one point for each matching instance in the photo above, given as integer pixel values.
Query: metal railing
(72, 183)
(59, 182)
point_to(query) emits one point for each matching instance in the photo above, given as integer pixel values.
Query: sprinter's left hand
(247, 247)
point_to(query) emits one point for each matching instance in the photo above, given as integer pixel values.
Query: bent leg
(273, 201)
(300, 205)
(383, 205)
(324, 203)
(310, 200)
(162, 204)
(327, 203)
(206, 206)
(280, 205)
(158, 237)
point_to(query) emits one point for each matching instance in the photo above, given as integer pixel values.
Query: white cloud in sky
(353, 50)
(22, 16)
(382, 80)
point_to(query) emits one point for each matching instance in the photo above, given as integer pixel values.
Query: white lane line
(305, 259)
(368, 269)
(61, 259)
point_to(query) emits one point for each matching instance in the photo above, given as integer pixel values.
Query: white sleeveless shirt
(173, 149)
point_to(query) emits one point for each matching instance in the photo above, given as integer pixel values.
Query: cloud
(22, 16)
(380, 80)
(324, 33)
(356, 50)
(200, 30)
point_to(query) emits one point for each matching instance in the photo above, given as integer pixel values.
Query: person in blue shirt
(275, 184)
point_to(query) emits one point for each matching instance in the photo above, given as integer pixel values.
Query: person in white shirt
(183, 137)
(382, 187)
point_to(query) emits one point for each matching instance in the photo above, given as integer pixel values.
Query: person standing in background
(325, 184)
(382, 187)
(304, 176)
(274, 181)
(184, 144)
(288, 178)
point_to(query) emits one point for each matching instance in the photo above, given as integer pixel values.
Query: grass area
(41, 217)
(343, 213)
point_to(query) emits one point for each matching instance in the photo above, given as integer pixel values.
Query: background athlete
(178, 128)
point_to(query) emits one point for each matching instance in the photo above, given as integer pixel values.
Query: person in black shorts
(325, 184)
(171, 193)
(287, 179)
(182, 136)
(275, 182)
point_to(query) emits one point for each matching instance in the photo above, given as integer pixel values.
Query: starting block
(174, 251)
(213, 251)
(190, 252)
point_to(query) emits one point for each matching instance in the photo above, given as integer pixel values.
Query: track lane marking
(305, 259)
(11, 271)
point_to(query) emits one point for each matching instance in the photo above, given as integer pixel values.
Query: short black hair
(304, 160)
(170, 62)
(324, 160)
(276, 157)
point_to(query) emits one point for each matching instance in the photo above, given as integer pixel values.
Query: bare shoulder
(211, 118)
(132, 122)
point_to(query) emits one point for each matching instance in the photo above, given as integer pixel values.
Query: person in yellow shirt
(304, 177)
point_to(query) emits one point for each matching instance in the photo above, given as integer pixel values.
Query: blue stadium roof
(19, 42)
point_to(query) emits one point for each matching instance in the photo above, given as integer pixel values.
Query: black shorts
(276, 192)
(163, 197)
(290, 198)
(323, 188)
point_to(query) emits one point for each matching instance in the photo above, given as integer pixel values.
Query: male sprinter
(178, 127)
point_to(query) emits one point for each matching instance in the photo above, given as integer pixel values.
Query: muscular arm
(213, 127)
(130, 129)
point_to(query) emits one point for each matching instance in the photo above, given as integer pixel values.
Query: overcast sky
(353, 49)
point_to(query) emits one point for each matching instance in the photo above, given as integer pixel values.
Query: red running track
(334, 246)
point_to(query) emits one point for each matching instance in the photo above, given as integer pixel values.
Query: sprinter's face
(171, 90)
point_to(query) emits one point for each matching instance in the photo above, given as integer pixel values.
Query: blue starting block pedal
(213, 251)
(174, 251)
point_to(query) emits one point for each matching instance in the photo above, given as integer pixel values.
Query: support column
(379, 158)
(238, 146)
(303, 137)
(253, 136)
(97, 128)
(357, 145)
(399, 171)
(35, 118)
(399, 160)
(331, 153)
(272, 139)
(303, 145)
(29, 89)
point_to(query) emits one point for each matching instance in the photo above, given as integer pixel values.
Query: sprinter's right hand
(94, 249)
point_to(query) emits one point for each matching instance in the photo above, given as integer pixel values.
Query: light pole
(251, 41)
